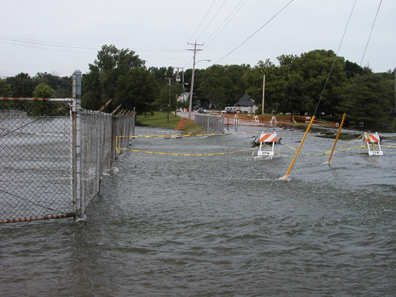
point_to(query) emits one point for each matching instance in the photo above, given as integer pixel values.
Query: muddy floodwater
(219, 224)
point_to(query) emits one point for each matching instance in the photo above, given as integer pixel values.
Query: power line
(364, 53)
(203, 20)
(27, 42)
(229, 18)
(255, 31)
(212, 18)
(335, 57)
(185, 48)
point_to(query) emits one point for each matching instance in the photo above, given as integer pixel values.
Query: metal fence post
(77, 196)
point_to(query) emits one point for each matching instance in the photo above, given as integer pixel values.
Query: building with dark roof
(246, 103)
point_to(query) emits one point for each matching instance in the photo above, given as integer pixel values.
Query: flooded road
(219, 225)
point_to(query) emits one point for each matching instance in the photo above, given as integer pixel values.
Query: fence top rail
(36, 99)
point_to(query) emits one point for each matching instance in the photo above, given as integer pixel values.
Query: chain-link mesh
(96, 151)
(35, 160)
(122, 126)
(38, 157)
(211, 123)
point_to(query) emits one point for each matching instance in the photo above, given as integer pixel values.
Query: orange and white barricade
(373, 142)
(255, 119)
(273, 121)
(269, 141)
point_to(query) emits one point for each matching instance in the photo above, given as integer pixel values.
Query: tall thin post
(192, 77)
(262, 107)
(78, 202)
(298, 150)
(336, 139)
(169, 104)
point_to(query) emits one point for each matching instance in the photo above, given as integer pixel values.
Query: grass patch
(160, 119)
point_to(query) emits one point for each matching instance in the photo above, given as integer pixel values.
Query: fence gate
(35, 159)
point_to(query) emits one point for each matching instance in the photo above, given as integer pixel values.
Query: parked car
(201, 110)
(230, 109)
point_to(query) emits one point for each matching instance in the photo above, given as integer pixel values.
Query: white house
(246, 103)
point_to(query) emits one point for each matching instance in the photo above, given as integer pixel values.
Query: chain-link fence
(51, 163)
(211, 123)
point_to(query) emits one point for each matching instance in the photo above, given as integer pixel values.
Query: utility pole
(193, 74)
(182, 79)
(169, 105)
(262, 106)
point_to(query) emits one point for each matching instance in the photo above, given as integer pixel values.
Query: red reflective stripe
(23, 99)
(268, 138)
(371, 138)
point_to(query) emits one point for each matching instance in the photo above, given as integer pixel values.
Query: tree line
(42, 85)
(297, 84)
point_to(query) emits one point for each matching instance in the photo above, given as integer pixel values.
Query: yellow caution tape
(344, 150)
(184, 135)
(387, 136)
(193, 155)
(292, 148)
(214, 154)
(166, 136)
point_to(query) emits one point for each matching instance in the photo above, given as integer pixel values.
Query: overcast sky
(59, 36)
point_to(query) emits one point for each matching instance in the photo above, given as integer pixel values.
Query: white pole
(192, 83)
(262, 106)
(78, 198)
(192, 78)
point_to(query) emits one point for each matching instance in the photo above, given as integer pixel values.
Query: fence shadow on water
(38, 156)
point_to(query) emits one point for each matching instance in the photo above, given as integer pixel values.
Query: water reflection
(218, 225)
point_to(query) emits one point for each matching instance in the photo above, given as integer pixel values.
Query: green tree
(370, 101)
(100, 83)
(213, 85)
(61, 85)
(167, 99)
(297, 83)
(223, 85)
(159, 75)
(45, 108)
(274, 85)
(352, 69)
(198, 98)
(22, 85)
(5, 89)
(44, 91)
(314, 68)
(137, 90)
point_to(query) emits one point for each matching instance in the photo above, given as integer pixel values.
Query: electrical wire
(335, 57)
(229, 18)
(203, 20)
(364, 53)
(36, 43)
(182, 58)
(212, 19)
(284, 7)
